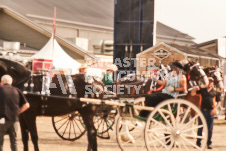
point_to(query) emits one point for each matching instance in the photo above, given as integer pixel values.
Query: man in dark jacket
(208, 108)
(12, 103)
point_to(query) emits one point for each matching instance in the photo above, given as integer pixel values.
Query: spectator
(12, 103)
(208, 108)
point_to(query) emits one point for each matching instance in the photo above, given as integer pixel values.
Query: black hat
(178, 64)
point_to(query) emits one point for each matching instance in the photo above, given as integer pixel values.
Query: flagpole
(54, 29)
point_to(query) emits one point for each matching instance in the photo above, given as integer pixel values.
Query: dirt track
(49, 141)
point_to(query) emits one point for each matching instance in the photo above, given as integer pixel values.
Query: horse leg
(87, 116)
(33, 131)
(28, 123)
(24, 133)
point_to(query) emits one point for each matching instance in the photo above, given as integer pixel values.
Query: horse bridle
(198, 67)
(213, 72)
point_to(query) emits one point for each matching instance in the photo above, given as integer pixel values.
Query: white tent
(60, 59)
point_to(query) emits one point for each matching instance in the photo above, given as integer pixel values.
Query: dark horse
(195, 76)
(51, 105)
(199, 76)
(216, 74)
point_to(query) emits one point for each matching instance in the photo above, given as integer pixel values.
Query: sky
(202, 19)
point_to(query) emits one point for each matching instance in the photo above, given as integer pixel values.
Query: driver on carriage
(175, 82)
(83, 68)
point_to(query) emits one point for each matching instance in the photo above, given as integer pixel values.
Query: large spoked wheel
(69, 127)
(171, 127)
(104, 122)
(130, 134)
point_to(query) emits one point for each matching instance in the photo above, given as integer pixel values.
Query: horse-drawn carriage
(169, 125)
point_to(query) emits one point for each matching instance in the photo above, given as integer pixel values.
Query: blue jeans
(9, 128)
(209, 120)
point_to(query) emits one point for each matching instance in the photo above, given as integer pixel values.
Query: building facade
(83, 24)
(163, 53)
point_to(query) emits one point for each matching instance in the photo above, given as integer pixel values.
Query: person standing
(12, 103)
(208, 108)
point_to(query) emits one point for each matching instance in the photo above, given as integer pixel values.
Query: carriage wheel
(171, 127)
(104, 122)
(69, 127)
(130, 134)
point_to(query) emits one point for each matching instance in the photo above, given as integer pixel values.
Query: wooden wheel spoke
(70, 130)
(178, 113)
(62, 125)
(165, 119)
(65, 117)
(171, 116)
(101, 127)
(156, 129)
(186, 114)
(193, 144)
(66, 128)
(109, 123)
(77, 125)
(152, 143)
(159, 123)
(73, 127)
(98, 126)
(159, 140)
(192, 120)
(192, 128)
(97, 119)
(185, 146)
(159, 132)
(193, 136)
